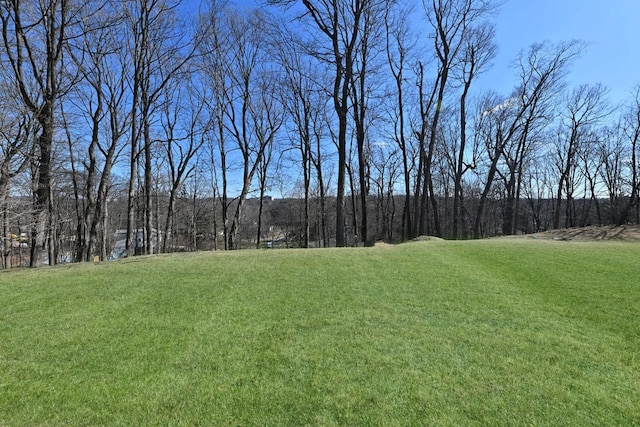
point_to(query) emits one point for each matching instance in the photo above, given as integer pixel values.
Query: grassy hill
(498, 332)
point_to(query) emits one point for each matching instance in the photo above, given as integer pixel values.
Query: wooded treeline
(174, 124)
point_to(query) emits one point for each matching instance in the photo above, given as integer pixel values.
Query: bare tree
(542, 80)
(514, 122)
(302, 97)
(341, 25)
(537, 188)
(397, 48)
(590, 165)
(17, 129)
(363, 94)
(452, 22)
(110, 147)
(253, 110)
(426, 102)
(96, 104)
(160, 49)
(183, 136)
(631, 130)
(386, 170)
(263, 179)
(35, 36)
(317, 161)
(585, 107)
(478, 50)
(215, 51)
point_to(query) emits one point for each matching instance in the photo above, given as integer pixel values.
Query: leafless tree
(514, 122)
(364, 96)
(537, 190)
(386, 169)
(35, 37)
(341, 25)
(214, 69)
(479, 49)
(17, 129)
(631, 129)
(613, 151)
(585, 107)
(263, 180)
(160, 47)
(398, 46)
(302, 94)
(110, 148)
(96, 104)
(590, 165)
(253, 112)
(542, 76)
(452, 22)
(318, 133)
(182, 137)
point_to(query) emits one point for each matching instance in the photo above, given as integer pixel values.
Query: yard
(497, 332)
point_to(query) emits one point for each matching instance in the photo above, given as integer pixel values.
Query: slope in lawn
(440, 333)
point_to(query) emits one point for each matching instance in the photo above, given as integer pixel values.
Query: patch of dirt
(426, 238)
(624, 233)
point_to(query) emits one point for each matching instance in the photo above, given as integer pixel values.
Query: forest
(135, 127)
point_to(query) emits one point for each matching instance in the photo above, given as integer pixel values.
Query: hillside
(625, 233)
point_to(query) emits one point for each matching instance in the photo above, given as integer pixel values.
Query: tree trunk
(42, 194)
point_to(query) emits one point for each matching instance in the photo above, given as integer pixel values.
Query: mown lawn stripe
(434, 333)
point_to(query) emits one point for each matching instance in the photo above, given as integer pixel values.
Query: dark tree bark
(478, 50)
(451, 20)
(342, 27)
(631, 129)
(34, 40)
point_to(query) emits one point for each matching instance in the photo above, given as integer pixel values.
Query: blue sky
(611, 27)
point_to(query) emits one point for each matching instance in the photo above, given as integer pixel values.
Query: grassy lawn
(498, 332)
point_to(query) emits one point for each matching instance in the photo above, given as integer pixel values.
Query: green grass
(492, 332)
